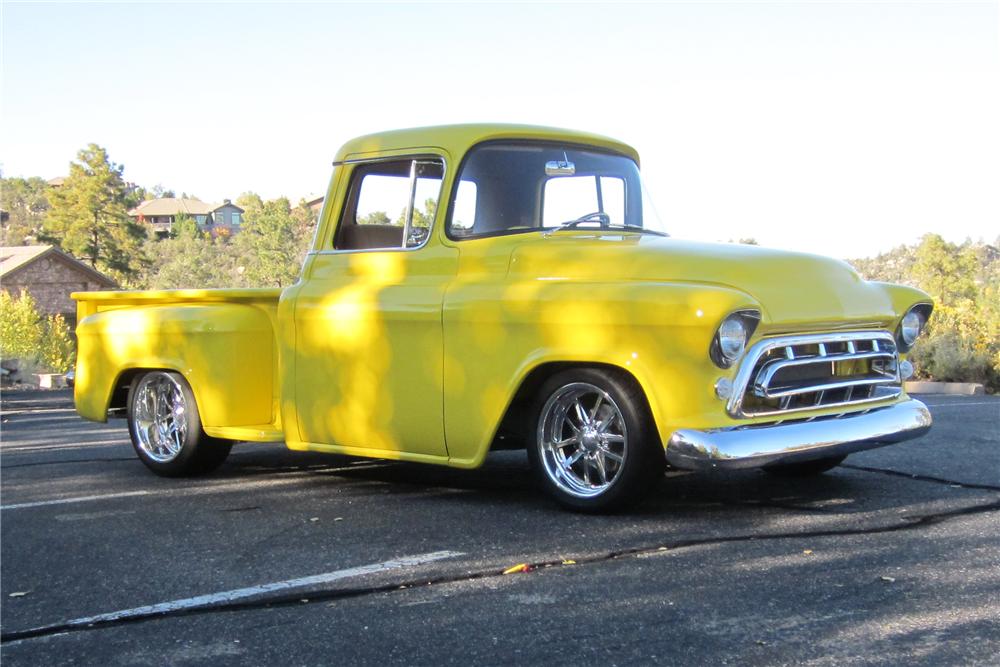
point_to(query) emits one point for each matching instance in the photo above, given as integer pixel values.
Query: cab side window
(390, 204)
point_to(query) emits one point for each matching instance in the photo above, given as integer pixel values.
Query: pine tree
(89, 218)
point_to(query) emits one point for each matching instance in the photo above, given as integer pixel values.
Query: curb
(959, 388)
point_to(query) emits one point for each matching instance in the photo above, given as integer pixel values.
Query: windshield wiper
(596, 216)
(605, 220)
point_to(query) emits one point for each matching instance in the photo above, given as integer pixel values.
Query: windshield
(507, 188)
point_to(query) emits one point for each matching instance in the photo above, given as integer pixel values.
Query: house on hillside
(49, 275)
(228, 216)
(161, 214)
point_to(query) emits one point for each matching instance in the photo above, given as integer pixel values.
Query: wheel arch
(511, 434)
(118, 400)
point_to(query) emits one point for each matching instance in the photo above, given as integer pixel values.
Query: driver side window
(390, 205)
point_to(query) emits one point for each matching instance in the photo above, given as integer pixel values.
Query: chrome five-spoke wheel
(159, 422)
(583, 439)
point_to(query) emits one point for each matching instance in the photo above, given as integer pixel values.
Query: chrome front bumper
(756, 446)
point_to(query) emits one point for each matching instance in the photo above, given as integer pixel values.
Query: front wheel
(595, 447)
(165, 427)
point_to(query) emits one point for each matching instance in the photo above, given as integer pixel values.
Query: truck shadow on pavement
(506, 480)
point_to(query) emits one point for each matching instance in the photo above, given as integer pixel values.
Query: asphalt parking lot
(288, 558)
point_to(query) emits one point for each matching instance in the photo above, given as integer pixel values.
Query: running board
(252, 433)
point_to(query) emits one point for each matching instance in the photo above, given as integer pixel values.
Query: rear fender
(225, 351)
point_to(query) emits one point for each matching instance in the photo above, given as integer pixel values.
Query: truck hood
(796, 291)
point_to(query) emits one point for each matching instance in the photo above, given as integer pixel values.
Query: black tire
(165, 427)
(611, 401)
(805, 468)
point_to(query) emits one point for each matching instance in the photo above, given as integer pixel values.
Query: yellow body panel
(417, 354)
(368, 346)
(222, 341)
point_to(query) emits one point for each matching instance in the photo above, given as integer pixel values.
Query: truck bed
(223, 341)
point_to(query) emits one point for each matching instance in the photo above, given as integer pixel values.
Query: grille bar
(762, 384)
(791, 374)
(822, 388)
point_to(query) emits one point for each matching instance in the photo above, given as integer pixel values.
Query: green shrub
(26, 335)
(946, 357)
(19, 331)
(56, 350)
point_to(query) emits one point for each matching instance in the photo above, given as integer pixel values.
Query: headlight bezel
(748, 319)
(923, 312)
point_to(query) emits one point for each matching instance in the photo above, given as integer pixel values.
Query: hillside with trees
(962, 342)
(26, 203)
(87, 217)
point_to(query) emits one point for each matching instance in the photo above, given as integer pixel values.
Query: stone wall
(50, 281)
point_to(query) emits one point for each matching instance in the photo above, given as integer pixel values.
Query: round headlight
(732, 338)
(910, 327)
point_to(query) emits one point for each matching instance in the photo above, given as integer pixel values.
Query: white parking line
(959, 404)
(78, 499)
(253, 591)
(18, 449)
(240, 484)
(34, 411)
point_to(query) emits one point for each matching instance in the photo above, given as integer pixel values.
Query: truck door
(368, 348)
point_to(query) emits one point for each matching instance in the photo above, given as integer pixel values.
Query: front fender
(496, 334)
(903, 297)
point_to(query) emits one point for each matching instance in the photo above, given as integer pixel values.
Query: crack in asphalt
(768, 504)
(922, 478)
(313, 597)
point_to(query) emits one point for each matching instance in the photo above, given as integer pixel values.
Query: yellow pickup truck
(476, 287)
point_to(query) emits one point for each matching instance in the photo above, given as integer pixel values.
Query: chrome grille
(796, 373)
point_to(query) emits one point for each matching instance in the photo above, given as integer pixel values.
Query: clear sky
(837, 128)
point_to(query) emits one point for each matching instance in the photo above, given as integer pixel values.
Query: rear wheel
(805, 468)
(165, 427)
(595, 447)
